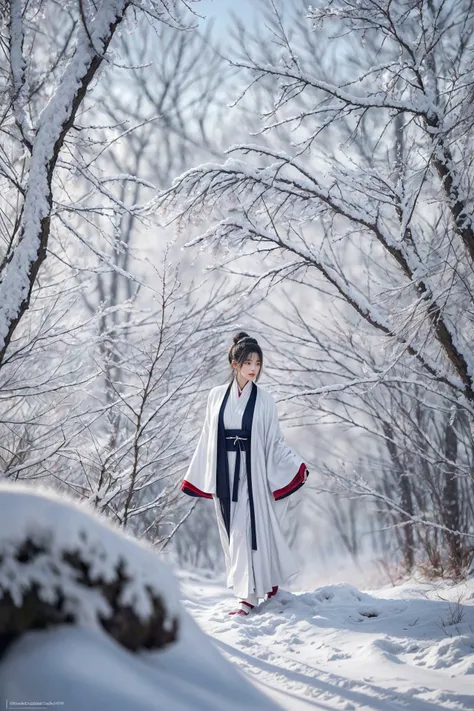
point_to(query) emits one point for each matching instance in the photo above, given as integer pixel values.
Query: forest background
(170, 174)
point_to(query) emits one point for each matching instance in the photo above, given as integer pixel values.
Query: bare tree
(40, 118)
(167, 117)
(139, 438)
(284, 204)
(359, 189)
(97, 400)
(408, 441)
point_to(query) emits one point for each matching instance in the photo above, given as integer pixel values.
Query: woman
(242, 462)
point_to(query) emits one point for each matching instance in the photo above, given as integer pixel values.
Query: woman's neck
(241, 382)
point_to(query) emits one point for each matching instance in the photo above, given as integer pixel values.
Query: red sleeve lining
(294, 484)
(192, 490)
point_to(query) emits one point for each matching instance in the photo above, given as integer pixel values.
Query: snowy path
(410, 647)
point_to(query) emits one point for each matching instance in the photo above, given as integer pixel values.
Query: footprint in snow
(337, 655)
(369, 612)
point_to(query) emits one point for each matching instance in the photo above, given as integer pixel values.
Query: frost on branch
(369, 158)
(59, 564)
(45, 110)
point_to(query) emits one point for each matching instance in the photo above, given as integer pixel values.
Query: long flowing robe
(276, 473)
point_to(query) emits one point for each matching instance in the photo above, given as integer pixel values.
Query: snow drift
(405, 647)
(90, 618)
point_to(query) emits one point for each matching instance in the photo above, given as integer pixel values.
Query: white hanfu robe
(276, 473)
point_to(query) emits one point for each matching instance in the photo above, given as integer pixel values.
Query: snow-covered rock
(91, 582)
(60, 563)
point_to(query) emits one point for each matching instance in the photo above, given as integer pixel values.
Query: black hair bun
(240, 335)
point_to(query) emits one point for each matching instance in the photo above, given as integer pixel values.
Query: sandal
(243, 609)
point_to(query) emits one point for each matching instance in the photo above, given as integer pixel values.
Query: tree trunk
(406, 498)
(451, 509)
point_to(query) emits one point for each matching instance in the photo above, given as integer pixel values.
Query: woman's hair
(243, 345)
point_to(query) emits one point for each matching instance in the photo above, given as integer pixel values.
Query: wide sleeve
(286, 471)
(195, 481)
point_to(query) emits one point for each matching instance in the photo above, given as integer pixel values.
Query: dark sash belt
(238, 445)
(238, 441)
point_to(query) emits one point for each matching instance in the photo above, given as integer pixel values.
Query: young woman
(242, 462)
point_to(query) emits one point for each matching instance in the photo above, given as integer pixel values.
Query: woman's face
(250, 368)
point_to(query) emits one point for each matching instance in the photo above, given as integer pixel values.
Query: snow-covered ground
(80, 667)
(409, 647)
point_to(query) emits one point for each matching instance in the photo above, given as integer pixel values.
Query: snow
(334, 647)
(85, 669)
(57, 525)
(80, 666)
(60, 110)
(18, 68)
(410, 646)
